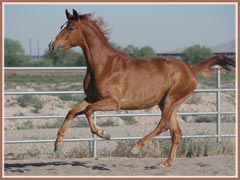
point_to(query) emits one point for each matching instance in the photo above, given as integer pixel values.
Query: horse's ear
(75, 15)
(68, 15)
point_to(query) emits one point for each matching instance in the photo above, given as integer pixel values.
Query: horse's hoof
(135, 150)
(106, 136)
(103, 134)
(165, 164)
(162, 165)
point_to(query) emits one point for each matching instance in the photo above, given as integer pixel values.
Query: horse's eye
(70, 29)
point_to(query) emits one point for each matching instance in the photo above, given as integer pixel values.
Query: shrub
(206, 119)
(27, 100)
(25, 125)
(109, 122)
(129, 120)
(188, 147)
(79, 123)
(67, 97)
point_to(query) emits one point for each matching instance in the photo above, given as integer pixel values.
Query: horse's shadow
(22, 167)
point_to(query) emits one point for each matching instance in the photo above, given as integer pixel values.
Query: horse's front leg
(107, 104)
(71, 114)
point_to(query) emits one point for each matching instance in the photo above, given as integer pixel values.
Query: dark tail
(206, 65)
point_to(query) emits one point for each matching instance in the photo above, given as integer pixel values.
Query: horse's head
(70, 35)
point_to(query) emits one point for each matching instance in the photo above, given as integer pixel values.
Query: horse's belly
(141, 100)
(128, 105)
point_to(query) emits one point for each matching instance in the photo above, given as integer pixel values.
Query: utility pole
(30, 47)
(38, 48)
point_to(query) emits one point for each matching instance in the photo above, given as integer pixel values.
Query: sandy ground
(44, 165)
(209, 166)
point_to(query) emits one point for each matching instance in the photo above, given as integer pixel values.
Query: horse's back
(149, 80)
(145, 83)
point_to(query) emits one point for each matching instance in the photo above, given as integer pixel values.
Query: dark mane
(99, 23)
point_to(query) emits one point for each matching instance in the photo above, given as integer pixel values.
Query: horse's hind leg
(71, 114)
(169, 107)
(163, 125)
(176, 134)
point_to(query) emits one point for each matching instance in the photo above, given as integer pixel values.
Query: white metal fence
(218, 90)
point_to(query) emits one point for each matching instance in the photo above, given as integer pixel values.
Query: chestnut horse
(114, 81)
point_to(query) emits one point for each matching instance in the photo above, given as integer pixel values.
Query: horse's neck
(96, 51)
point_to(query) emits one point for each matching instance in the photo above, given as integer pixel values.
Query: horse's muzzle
(51, 47)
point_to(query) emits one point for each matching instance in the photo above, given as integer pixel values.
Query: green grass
(49, 79)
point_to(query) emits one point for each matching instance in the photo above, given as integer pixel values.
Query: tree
(144, 52)
(12, 47)
(14, 54)
(132, 51)
(66, 58)
(147, 52)
(196, 53)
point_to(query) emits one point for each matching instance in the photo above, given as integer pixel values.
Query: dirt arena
(208, 166)
(44, 165)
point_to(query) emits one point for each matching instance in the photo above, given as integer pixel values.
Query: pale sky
(164, 27)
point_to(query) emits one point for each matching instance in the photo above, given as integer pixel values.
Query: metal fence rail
(218, 90)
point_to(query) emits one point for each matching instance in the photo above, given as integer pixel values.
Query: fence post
(94, 136)
(218, 82)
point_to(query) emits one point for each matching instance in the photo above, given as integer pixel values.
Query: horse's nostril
(51, 47)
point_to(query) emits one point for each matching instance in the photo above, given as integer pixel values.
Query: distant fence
(218, 90)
